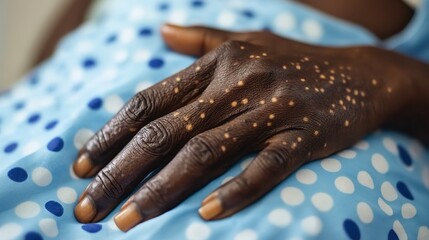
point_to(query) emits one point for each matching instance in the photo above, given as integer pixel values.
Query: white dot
(178, 17)
(347, 154)
(27, 209)
(388, 191)
(41, 176)
(141, 55)
(399, 230)
(364, 212)
(226, 179)
(136, 13)
(142, 86)
(362, 145)
(121, 56)
(390, 145)
(49, 227)
(306, 176)
(246, 234)
(226, 19)
(311, 225)
(322, 201)
(10, 231)
(385, 207)
(344, 185)
(76, 75)
(425, 177)
(379, 163)
(84, 47)
(312, 29)
(331, 164)
(246, 162)
(127, 35)
(365, 179)
(81, 137)
(197, 231)
(31, 147)
(285, 21)
(408, 210)
(292, 196)
(67, 195)
(423, 233)
(280, 217)
(113, 104)
(109, 74)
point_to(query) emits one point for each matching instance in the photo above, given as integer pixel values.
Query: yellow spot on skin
(322, 76)
(341, 102)
(353, 101)
(356, 92)
(198, 68)
(226, 90)
(306, 59)
(262, 102)
(298, 67)
(274, 99)
(264, 54)
(331, 111)
(178, 79)
(186, 118)
(305, 119)
(362, 104)
(299, 139)
(348, 98)
(255, 125)
(316, 89)
(284, 143)
(331, 82)
(333, 105)
(291, 103)
(349, 68)
(344, 108)
(176, 114)
(293, 145)
(284, 67)
(348, 90)
(307, 88)
(201, 100)
(271, 116)
(326, 63)
(374, 82)
(257, 56)
(251, 56)
(325, 145)
(362, 93)
(332, 78)
(269, 124)
(245, 101)
(332, 71)
(226, 135)
(164, 83)
(223, 148)
(242, 47)
(346, 123)
(234, 104)
(211, 101)
(176, 90)
(234, 139)
(316, 133)
(322, 90)
(302, 80)
(202, 115)
(189, 127)
(389, 90)
(240, 83)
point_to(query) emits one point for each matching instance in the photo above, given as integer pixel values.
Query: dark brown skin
(256, 91)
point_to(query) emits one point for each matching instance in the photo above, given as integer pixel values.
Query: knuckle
(154, 138)
(202, 152)
(275, 161)
(98, 143)
(107, 182)
(140, 106)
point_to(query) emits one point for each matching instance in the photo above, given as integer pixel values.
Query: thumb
(196, 40)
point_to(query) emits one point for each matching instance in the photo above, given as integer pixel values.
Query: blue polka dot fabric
(377, 189)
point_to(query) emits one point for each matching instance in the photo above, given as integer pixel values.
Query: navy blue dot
(89, 63)
(33, 236)
(54, 208)
(50, 125)
(10, 147)
(404, 155)
(111, 39)
(92, 227)
(19, 105)
(56, 144)
(95, 103)
(351, 229)
(163, 6)
(156, 63)
(33, 80)
(248, 13)
(17, 174)
(404, 190)
(144, 32)
(33, 118)
(392, 235)
(197, 3)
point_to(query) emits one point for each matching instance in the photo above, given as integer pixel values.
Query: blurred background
(23, 24)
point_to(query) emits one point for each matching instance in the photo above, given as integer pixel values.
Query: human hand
(248, 92)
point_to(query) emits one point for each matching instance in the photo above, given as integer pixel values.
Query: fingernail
(128, 217)
(173, 25)
(209, 197)
(85, 210)
(83, 165)
(211, 209)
